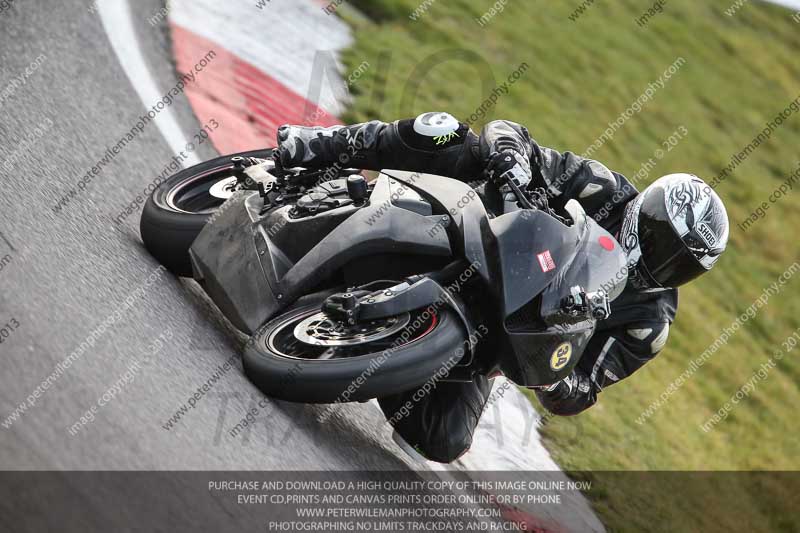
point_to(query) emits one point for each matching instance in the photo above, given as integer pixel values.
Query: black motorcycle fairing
(533, 250)
(225, 262)
(467, 217)
(530, 261)
(534, 358)
(541, 330)
(253, 278)
(408, 198)
(504, 249)
(599, 265)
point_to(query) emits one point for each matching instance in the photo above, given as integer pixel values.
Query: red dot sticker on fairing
(606, 242)
(546, 261)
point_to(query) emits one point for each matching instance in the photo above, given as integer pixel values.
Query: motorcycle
(353, 289)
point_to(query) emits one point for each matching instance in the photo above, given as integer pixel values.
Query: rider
(673, 231)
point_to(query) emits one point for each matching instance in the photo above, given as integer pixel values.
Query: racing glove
(508, 165)
(569, 396)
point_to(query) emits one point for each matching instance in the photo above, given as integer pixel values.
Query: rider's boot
(438, 424)
(435, 143)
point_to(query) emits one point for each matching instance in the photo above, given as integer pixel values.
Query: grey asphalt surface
(68, 271)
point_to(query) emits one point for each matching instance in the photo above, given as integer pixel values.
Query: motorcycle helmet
(673, 231)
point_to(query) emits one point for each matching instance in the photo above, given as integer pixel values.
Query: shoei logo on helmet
(546, 261)
(561, 356)
(707, 235)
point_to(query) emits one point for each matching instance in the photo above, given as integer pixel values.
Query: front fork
(415, 292)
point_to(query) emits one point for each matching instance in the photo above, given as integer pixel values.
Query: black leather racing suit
(441, 424)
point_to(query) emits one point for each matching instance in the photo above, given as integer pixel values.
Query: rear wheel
(180, 206)
(305, 356)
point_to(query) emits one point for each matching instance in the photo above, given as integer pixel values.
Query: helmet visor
(666, 259)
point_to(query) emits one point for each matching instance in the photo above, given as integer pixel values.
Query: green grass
(740, 72)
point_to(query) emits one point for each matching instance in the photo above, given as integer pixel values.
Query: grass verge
(740, 71)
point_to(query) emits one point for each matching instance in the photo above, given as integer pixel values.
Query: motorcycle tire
(180, 206)
(431, 350)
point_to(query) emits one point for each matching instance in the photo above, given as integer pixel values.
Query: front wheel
(305, 356)
(181, 205)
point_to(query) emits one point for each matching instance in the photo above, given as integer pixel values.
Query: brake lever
(523, 200)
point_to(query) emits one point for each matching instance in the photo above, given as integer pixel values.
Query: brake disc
(321, 330)
(224, 188)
